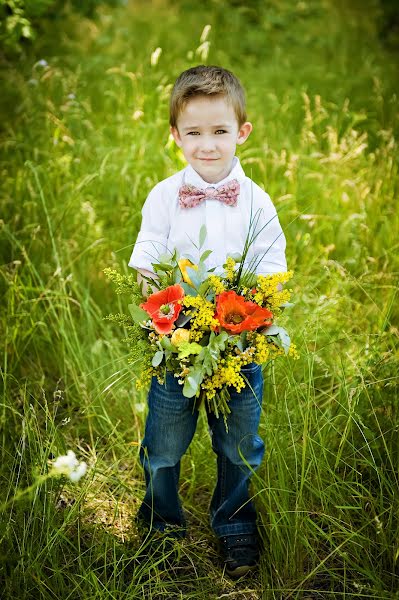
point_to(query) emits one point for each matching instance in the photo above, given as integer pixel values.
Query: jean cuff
(236, 529)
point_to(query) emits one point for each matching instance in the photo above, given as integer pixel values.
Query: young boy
(207, 121)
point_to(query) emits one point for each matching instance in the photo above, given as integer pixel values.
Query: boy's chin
(212, 173)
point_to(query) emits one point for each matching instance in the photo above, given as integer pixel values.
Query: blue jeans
(170, 427)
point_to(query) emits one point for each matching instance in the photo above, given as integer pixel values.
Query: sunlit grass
(85, 137)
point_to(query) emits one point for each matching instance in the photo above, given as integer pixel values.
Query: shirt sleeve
(269, 243)
(154, 232)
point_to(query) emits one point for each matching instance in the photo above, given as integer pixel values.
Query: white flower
(205, 32)
(70, 466)
(155, 56)
(78, 472)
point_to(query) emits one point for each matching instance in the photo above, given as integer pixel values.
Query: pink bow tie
(190, 196)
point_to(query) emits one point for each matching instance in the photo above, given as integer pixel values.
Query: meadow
(84, 137)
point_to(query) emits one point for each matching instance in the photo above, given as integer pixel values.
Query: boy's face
(207, 132)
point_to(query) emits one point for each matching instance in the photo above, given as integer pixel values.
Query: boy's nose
(208, 144)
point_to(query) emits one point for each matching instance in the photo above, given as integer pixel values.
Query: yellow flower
(183, 264)
(180, 335)
(203, 316)
(216, 283)
(229, 268)
(268, 293)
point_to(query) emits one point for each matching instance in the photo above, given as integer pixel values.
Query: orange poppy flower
(164, 308)
(235, 314)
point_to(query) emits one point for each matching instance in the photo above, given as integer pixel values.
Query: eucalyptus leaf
(202, 235)
(157, 358)
(205, 255)
(176, 274)
(193, 381)
(188, 289)
(190, 388)
(272, 330)
(283, 339)
(138, 314)
(166, 343)
(193, 275)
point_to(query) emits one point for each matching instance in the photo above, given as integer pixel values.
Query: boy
(207, 121)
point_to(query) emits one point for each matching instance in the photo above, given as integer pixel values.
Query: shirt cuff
(270, 268)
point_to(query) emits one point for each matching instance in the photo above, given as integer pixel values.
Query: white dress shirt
(166, 226)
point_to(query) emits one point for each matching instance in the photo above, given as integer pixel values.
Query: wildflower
(146, 375)
(267, 290)
(216, 283)
(70, 466)
(204, 317)
(155, 56)
(229, 268)
(183, 264)
(235, 314)
(228, 373)
(164, 308)
(180, 335)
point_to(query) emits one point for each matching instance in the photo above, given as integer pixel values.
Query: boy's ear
(176, 135)
(244, 132)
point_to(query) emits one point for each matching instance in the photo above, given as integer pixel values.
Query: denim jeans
(170, 427)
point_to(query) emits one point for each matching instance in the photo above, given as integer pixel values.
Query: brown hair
(207, 81)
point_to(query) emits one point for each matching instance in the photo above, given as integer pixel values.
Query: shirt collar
(191, 177)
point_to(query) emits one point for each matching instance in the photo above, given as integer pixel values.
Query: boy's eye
(193, 133)
(219, 131)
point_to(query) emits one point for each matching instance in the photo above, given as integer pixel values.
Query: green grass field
(84, 137)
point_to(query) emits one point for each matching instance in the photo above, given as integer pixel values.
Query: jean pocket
(250, 368)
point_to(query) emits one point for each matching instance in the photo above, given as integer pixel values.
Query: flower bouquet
(204, 327)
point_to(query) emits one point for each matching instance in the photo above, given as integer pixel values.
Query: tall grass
(84, 139)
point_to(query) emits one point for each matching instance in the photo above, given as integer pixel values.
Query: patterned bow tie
(190, 196)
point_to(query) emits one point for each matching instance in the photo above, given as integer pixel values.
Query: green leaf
(272, 330)
(187, 348)
(193, 275)
(203, 288)
(166, 343)
(162, 266)
(189, 290)
(202, 235)
(166, 258)
(205, 255)
(189, 388)
(138, 314)
(193, 381)
(157, 358)
(283, 338)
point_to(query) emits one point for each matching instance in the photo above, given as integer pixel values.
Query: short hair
(207, 81)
